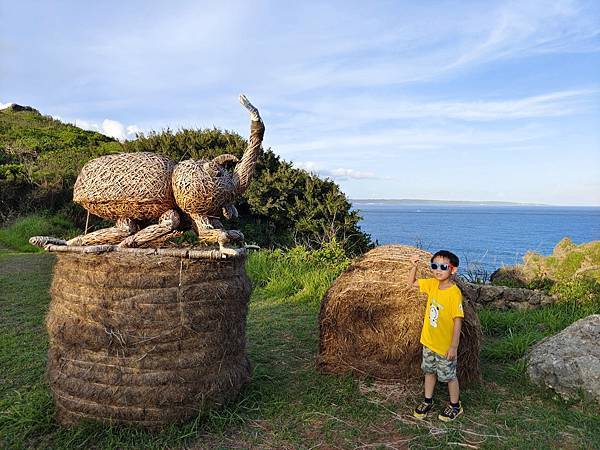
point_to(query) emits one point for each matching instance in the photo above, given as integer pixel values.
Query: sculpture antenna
(243, 172)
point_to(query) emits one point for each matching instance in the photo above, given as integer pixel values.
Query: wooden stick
(174, 252)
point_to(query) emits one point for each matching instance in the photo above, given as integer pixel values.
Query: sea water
(483, 237)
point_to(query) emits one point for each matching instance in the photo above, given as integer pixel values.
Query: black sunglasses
(436, 266)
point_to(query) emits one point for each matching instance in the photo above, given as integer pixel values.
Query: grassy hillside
(40, 158)
(30, 130)
(289, 404)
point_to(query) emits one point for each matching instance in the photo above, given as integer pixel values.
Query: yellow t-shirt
(443, 305)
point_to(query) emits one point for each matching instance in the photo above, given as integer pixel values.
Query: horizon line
(481, 202)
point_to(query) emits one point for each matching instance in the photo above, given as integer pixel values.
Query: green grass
(16, 235)
(289, 404)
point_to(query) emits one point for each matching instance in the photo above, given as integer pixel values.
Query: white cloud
(388, 142)
(526, 28)
(5, 105)
(384, 126)
(112, 128)
(309, 166)
(361, 110)
(548, 105)
(351, 173)
(133, 130)
(428, 44)
(339, 173)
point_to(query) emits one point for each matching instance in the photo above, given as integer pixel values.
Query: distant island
(414, 201)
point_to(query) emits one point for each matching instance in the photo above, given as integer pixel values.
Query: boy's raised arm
(412, 275)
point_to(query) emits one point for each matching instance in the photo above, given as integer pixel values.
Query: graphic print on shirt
(434, 312)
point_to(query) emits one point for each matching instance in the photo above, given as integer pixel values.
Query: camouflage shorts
(442, 367)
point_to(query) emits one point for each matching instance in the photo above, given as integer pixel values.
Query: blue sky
(451, 100)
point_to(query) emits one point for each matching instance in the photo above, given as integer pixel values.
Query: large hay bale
(147, 340)
(370, 320)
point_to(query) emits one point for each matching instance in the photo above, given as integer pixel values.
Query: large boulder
(569, 362)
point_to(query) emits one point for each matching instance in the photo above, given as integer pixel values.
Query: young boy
(441, 331)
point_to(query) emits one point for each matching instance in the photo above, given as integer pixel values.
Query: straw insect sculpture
(147, 341)
(133, 188)
(370, 321)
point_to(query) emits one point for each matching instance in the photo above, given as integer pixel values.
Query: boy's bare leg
(430, 380)
(454, 391)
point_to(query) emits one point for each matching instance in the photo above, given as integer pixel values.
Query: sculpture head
(202, 187)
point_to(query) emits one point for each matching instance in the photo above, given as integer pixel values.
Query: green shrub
(583, 290)
(569, 265)
(16, 235)
(544, 284)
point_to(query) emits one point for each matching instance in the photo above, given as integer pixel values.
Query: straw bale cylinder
(370, 320)
(146, 340)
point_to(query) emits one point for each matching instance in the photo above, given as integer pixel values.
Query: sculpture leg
(208, 234)
(201, 222)
(216, 223)
(221, 237)
(230, 212)
(113, 235)
(166, 224)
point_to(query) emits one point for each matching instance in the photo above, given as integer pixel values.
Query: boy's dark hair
(446, 254)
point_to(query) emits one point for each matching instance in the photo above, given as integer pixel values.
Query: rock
(502, 297)
(537, 297)
(498, 304)
(516, 295)
(520, 306)
(469, 290)
(569, 362)
(509, 276)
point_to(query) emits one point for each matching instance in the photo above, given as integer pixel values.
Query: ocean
(483, 237)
